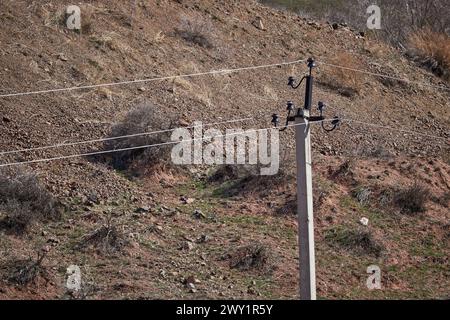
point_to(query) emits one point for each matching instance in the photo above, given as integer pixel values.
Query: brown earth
(166, 243)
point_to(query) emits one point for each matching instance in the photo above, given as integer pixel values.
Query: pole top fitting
(275, 120)
(311, 63)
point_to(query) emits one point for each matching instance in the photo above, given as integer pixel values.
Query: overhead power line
(69, 144)
(130, 148)
(196, 139)
(398, 129)
(386, 76)
(111, 84)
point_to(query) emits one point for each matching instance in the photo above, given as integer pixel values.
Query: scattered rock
(191, 288)
(62, 57)
(203, 238)
(258, 23)
(156, 229)
(314, 24)
(186, 200)
(190, 282)
(364, 221)
(187, 246)
(198, 214)
(183, 123)
(143, 209)
(52, 240)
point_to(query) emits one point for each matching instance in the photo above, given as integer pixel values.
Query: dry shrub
(362, 194)
(141, 119)
(412, 199)
(244, 179)
(378, 152)
(24, 201)
(24, 272)
(347, 82)
(432, 50)
(195, 31)
(255, 256)
(107, 240)
(289, 208)
(360, 240)
(232, 172)
(345, 172)
(443, 200)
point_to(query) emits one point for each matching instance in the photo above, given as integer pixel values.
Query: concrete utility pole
(302, 120)
(305, 209)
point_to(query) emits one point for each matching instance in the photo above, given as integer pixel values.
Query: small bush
(107, 240)
(379, 151)
(289, 208)
(244, 179)
(362, 194)
(24, 272)
(443, 200)
(253, 256)
(141, 119)
(359, 240)
(345, 172)
(412, 199)
(348, 83)
(432, 50)
(195, 31)
(24, 201)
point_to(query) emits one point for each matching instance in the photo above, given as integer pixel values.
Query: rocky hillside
(171, 233)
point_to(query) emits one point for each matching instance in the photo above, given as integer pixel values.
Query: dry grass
(358, 240)
(24, 201)
(345, 171)
(107, 240)
(195, 31)
(348, 83)
(254, 256)
(24, 272)
(432, 50)
(412, 199)
(141, 119)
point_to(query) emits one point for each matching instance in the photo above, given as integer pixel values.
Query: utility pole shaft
(303, 119)
(305, 209)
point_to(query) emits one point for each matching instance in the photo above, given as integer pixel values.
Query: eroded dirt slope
(167, 242)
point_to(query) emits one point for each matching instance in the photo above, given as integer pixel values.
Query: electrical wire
(135, 148)
(200, 139)
(385, 76)
(221, 71)
(116, 137)
(397, 129)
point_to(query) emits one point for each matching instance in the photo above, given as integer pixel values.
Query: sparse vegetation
(195, 31)
(141, 119)
(378, 152)
(345, 81)
(362, 194)
(432, 50)
(443, 200)
(358, 240)
(107, 239)
(412, 199)
(242, 179)
(23, 200)
(24, 272)
(254, 256)
(344, 171)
